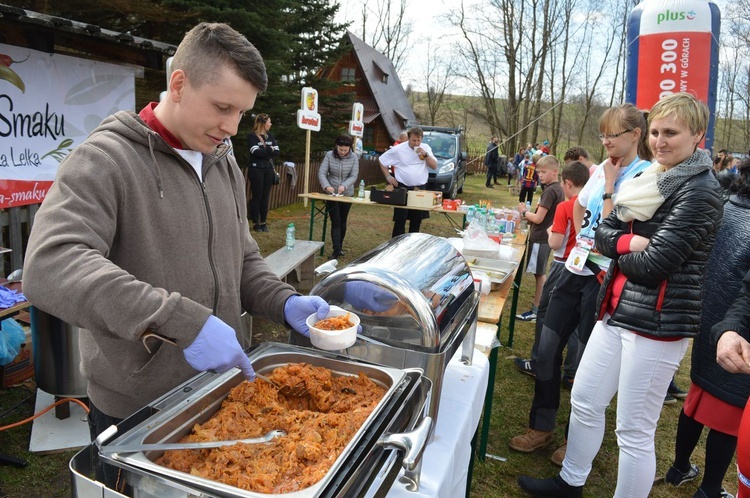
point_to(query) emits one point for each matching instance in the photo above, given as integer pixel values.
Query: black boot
(554, 487)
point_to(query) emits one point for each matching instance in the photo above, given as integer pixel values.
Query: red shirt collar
(148, 116)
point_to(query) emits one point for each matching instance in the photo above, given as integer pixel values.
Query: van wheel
(454, 190)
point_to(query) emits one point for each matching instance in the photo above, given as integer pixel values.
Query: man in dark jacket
(491, 159)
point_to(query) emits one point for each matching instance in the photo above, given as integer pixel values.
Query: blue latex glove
(216, 348)
(368, 296)
(298, 308)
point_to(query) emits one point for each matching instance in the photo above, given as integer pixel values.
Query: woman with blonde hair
(659, 236)
(261, 174)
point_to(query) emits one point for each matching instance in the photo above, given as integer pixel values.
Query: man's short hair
(416, 130)
(210, 45)
(574, 153)
(576, 172)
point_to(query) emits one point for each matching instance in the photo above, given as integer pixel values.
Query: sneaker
(567, 381)
(675, 391)
(263, 227)
(677, 478)
(531, 440)
(489, 186)
(524, 366)
(669, 399)
(529, 316)
(722, 494)
(257, 227)
(559, 455)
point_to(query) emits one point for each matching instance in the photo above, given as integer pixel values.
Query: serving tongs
(139, 447)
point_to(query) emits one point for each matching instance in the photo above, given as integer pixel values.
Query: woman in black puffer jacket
(659, 236)
(717, 397)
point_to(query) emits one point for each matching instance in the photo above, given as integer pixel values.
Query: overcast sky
(428, 22)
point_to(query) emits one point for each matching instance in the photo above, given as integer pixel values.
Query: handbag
(276, 178)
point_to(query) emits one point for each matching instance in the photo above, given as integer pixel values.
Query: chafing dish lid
(406, 291)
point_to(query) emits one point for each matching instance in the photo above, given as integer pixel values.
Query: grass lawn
(47, 475)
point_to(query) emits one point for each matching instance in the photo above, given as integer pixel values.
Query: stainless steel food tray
(496, 269)
(186, 407)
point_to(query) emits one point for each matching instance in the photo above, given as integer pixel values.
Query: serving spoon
(135, 448)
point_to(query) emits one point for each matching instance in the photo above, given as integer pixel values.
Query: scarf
(595, 202)
(640, 197)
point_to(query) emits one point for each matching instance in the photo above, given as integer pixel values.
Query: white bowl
(333, 340)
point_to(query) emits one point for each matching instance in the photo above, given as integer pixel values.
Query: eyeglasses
(604, 137)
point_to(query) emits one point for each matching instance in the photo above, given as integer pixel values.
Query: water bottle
(361, 193)
(290, 236)
(470, 214)
(528, 205)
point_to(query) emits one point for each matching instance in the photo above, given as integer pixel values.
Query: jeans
(491, 175)
(571, 359)
(638, 369)
(109, 475)
(527, 194)
(261, 181)
(338, 212)
(572, 305)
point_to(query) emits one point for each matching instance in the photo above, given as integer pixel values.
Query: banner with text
(49, 103)
(673, 46)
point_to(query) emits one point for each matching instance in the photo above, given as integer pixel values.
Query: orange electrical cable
(64, 400)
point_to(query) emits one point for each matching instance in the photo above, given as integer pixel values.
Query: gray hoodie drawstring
(157, 172)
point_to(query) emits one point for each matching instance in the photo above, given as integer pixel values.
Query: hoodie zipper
(210, 244)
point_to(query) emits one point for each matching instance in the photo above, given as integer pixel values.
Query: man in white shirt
(410, 160)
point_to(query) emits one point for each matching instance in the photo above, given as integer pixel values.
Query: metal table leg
(313, 212)
(487, 411)
(514, 300)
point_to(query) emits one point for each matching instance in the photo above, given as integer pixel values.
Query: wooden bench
(296, 267)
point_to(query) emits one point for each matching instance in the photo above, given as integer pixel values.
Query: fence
(285, 194)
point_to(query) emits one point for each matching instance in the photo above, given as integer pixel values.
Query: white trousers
(639, 369)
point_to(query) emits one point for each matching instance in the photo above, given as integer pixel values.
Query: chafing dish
(417, 303)
(497, 270)
(393, 436)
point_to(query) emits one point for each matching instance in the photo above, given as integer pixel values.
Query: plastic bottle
(361, 193)
(290, 236)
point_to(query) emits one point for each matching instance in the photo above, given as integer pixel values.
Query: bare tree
(391, 30)
(438, 77)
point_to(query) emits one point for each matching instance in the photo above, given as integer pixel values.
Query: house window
(384, 78)
(347, 74)
(368, 135)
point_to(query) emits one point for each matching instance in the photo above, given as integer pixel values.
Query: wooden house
(373, 79)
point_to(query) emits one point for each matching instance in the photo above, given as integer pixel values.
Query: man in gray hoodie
(143, 241)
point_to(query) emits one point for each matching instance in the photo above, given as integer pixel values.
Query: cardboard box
(451, 204)
(424, 198)
(20, 369)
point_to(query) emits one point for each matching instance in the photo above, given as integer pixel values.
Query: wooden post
(307, 165)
